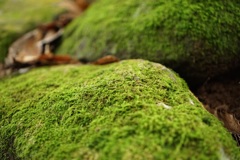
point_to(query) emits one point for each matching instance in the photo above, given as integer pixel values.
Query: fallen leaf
(36, 47)
(75, 7)
(25, 49)
(106, 60)
(82, 4)
(51, 59)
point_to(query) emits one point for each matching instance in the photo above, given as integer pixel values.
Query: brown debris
(25, 49)
(106, 60)
(75, 7)
(36, 47)
(221, 97)
(28, 48)
(51, 59)
(228, 118)
(82, 4)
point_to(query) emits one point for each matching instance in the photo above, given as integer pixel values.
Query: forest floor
(222, 92)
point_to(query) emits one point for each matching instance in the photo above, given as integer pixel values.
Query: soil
(222, 91)
(221, 97)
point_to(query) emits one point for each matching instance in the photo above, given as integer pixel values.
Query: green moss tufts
(133, 109)
(190, 36)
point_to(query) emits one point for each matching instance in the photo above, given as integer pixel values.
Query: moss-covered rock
(198, 39)
(133, 109)
(17, 17)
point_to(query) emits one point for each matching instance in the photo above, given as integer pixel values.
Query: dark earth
(221, 91)
(221, 94)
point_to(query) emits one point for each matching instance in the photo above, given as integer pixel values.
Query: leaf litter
(36, 48)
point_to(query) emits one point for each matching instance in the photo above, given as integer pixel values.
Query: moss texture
(133, 109)
(199, 37)
(17, 17)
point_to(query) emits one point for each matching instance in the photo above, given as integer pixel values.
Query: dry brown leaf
(75, 6)
(51, 59)
(25, 49)
(106, 60)
(82, 4)
(29, 47)
(36, 47)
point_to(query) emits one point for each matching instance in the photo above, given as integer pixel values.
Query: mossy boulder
(133, 109)
(198, 39)
(18, 17)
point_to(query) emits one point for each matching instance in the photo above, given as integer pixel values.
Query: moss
(18, 17)
(133, 109)
(195, 35)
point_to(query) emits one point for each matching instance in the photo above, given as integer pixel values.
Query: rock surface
(197, 39)
(132, 109)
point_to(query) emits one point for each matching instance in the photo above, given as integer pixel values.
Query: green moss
(182, 33)
(115, 111)
(18, 17)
